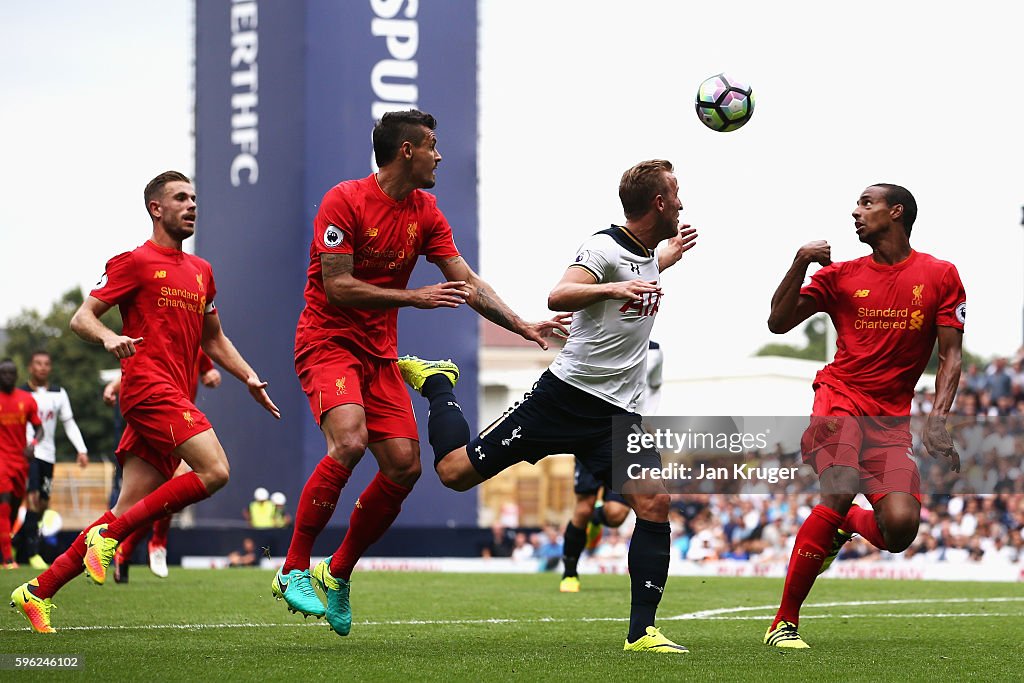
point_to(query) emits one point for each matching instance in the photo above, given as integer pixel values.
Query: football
(724, 104)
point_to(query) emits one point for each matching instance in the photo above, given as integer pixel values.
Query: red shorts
(14, 477)
(156, 427)
(880, 447)
(332, 375)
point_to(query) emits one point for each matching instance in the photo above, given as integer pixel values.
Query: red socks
(5, 533)
(170, 497)
(160, 529)
(316, 505)
(862, 521)
(69, 564)
(813, 543)
(126, 547)
(374, 511)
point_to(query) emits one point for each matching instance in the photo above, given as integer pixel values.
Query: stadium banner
(781, 455)
(286, 97)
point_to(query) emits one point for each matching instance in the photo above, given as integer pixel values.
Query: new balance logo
(480, 453)
(861, 293)
(660, 589)
(515, 435)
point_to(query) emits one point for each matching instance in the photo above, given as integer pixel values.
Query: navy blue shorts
(40, 477)
(555, 417)
(585, 484)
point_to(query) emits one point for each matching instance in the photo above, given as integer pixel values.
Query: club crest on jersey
(333, 236)
(961, 312)
(199, 281)
(917, 291)
(412, 232)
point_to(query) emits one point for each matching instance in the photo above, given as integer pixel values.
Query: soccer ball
(724, 104)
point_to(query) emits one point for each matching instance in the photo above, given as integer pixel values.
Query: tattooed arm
(483, 299)
(347, 291)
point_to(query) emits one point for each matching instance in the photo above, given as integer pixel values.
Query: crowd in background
(974, 516)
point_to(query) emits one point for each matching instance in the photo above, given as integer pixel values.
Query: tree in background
(76, 367)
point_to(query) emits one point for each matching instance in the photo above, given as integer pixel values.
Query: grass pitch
(224, 625)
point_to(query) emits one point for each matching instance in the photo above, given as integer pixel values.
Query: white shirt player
(54, 403)
(606, 352)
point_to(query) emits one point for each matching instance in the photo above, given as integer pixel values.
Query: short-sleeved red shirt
(163, 294)
(385, 238)
(887, 319)
(17, 409)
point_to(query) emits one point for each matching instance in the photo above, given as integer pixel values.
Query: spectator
(246, 557)
(281, 516)
(501, 543)
(261, 511)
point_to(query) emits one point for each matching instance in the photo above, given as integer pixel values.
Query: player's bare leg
(210, 472)
(33, 598)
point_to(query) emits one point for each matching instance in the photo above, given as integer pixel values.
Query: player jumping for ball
(614, 291)
(888, 309)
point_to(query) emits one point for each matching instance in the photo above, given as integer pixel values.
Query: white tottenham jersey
(606, 353)
(54, 403)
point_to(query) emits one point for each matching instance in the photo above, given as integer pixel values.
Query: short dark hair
(396, 127)
(641, 184)
(154, 186)
(39, 352)
(896, 194)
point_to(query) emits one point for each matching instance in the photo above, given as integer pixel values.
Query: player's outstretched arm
(484, 300)
(789, 307)
(673, 249)
(347, 291)
(578, 289)
(937, 439)
(217, 345)
(87, 325)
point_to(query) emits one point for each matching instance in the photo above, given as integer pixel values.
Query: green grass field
(423, 626)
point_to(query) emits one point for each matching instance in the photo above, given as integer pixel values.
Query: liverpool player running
(166, 298)
(614, 288)
(17, 409)
(157, 546)
(367, 236)
(54, 405)
(888, 309)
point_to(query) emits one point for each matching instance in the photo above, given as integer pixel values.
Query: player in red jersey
(17, 408)
(367, 236)
(166, 299)
(888, 309)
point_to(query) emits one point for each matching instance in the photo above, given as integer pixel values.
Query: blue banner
(286, 97)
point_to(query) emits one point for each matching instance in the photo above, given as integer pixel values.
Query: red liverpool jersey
(385, 238)
(16, 409)
(887, 319)
(163, 295)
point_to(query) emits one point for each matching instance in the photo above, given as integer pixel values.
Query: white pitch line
(711, 613)
(724, 614)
